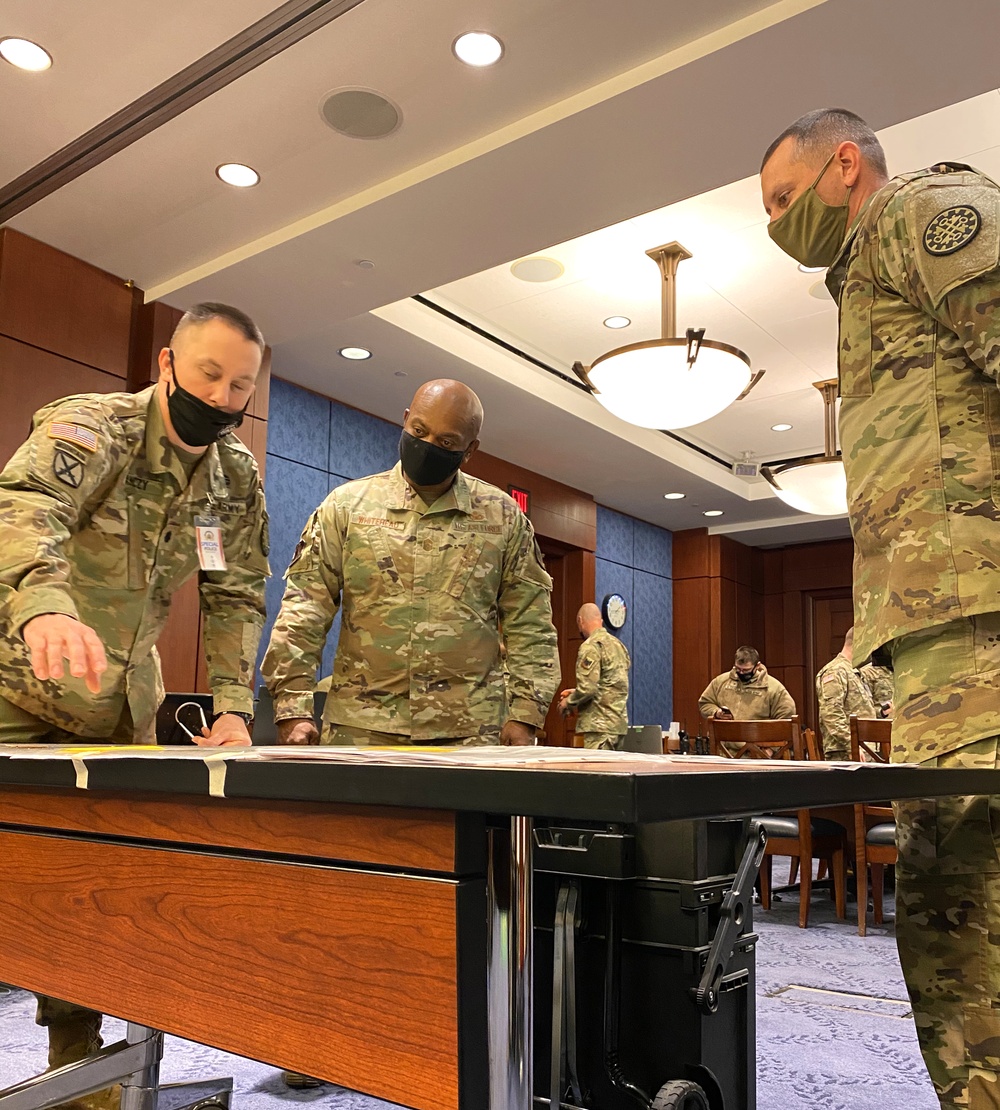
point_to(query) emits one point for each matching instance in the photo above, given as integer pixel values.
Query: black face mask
(426, 464)
(196, 422)
(747, 676)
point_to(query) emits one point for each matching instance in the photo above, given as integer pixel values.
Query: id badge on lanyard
(208, 539)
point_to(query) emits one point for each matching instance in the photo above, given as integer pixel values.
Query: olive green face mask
(812, 231)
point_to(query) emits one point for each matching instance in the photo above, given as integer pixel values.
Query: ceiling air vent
(360, 113)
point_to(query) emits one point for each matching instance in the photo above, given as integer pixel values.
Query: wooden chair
(798, 834)
(874, 825)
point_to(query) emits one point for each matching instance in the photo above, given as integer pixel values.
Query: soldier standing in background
(913, 264)
(879, 682)
(112, 503)
(841, 693)
(601, 692)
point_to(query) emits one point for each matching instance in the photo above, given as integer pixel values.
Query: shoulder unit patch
(952, 229)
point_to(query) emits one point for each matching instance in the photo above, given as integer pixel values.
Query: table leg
(510, 989)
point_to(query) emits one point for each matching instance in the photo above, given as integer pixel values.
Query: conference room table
(361, 915)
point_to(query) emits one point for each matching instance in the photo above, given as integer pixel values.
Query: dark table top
(554, 783)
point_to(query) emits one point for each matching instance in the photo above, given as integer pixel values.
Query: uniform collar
(162, 458)
(457, 497)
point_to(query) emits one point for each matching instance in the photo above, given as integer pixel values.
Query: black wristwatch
(247, 718)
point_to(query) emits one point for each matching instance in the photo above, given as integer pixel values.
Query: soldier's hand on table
(298, 730)
(517, 734)
(54, 637)
(227, 731)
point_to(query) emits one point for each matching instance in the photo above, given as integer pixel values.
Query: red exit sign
(522, 497)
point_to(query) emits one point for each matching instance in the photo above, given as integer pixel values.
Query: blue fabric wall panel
(361, 444)
(298, 425)
(652, 659)
(614, 536)
(653, 549)
(293, 491)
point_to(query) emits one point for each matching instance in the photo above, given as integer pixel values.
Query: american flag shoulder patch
(73, 433)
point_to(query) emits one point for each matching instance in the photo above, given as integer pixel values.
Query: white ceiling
(591, 119)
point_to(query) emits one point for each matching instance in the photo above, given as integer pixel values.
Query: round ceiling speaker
(360, 113)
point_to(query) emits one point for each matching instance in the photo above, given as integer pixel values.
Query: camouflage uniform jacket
(840, 693)
(601, 693)
(879, 683)
(762, 699)
(425, 591)
(918, 285)
(97, 513)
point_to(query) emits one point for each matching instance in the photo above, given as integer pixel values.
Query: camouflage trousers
(348, 736)
(605, 741)
(74, 1032)
(946, 685)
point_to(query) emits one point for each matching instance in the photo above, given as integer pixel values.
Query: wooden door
(830, 613)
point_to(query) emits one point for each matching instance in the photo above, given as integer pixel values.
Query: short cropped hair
(746, 655)
(212, 310)
(820, 131)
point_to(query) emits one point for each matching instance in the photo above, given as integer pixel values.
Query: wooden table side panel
(349, 976)
(406, 838)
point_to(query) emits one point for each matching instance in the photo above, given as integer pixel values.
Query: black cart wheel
(680, 1094)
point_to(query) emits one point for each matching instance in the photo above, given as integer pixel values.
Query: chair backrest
(812, 747)
(871, 739)
(756, 739)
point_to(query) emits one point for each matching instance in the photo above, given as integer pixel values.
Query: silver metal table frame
(133, 1062)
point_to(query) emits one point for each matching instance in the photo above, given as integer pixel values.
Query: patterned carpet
(834, 1031)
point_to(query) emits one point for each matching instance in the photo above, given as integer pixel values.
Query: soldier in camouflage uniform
(429, 564)
(600, 695)
(841, 693)
(879, 682)
(746, 693)
(100, 512)
(914, 267)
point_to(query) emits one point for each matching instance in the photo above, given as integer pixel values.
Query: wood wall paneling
(61, 304)
(376, 954)
(154, 325)
(557, 512)
(176, 645)
(31, 378)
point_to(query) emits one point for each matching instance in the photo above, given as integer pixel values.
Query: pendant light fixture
(671, 382)
(816, 485)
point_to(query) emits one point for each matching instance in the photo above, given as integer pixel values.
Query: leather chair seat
(882, 834)
(786, 827)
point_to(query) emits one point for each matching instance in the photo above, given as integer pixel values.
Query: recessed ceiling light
(713, 512)
(235, 173)
(25, 54)
(358, 354)
(674, 496)
(819, 290)
(617, 322)
(781, 427)
(478, 48)
(537, 269)
(811, 269)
